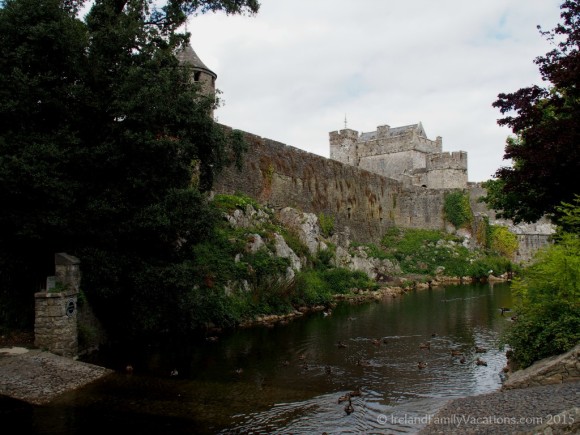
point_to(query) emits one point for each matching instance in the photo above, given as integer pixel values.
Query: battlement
(339, 137)
(447, 160)
(401, 151)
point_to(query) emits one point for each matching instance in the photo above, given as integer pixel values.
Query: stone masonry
(55, 324)
(402, 153)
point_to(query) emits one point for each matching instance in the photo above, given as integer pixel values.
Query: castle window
(196, 76)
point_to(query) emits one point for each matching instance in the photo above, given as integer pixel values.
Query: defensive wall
(363, 203)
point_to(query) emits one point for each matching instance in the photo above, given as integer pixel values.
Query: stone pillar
(55, 325)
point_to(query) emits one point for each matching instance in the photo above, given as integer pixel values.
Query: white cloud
(294, 70)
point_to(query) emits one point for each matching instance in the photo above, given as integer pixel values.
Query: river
(288, 378)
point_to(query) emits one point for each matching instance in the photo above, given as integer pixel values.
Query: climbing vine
(457, 209)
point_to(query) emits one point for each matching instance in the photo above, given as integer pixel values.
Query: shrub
(503, 242)
(231, 202)
(326, 224)
(548, 303)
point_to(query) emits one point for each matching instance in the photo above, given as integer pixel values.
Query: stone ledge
(38, 377)
(553, 370)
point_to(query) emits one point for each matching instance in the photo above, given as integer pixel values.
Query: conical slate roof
(188, 56)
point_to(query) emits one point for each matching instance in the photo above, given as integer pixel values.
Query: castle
(372, 181)
(403, 153)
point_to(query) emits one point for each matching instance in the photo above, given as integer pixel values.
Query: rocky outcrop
(305, 225)
(360, 260)
(554, 370)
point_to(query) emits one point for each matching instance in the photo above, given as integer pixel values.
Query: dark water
(254, 380)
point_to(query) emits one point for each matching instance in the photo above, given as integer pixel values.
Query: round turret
(201, 73)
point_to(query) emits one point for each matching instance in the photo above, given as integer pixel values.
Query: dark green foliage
(343, 281)
(323, 258)
(99, 126)
(569, 217)
(457, 209)
(548, 303)
(543, 331)
(316, 287)
(545, 122)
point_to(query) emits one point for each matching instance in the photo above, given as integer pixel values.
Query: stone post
(55, 325)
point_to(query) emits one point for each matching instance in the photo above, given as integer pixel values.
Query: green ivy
(457, 209)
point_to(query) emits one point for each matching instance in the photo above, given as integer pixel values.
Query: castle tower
(343, 146)
(201, 73)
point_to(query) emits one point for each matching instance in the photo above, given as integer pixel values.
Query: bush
(548, 304)
(503, 242)
(316, 287)
(326, 224)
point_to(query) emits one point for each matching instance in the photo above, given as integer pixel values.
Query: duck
(348, 407)
(362, 362)
(376, 342)
(327, 312)
(480, 349)
(212, 338)
(462, 360)
(480, 362)
(344, 398)
(355, 393)
(385, 340)
(456, 353)
(340, 344)
(239, 371)
(425, 345)
(504, 309)
(422, 364)
(174, 372)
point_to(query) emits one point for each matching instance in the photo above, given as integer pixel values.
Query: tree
(545, 122)
(41, 86)
(99, 129)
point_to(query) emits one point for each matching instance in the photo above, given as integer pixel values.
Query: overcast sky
(295, 70)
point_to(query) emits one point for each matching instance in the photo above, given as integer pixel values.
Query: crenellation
(402, 151)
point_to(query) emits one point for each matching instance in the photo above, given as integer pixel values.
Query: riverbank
(402, 286)
(546, 409)
(38, 377)
(541, 399)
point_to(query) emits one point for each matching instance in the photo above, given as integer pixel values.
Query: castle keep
(402, 153)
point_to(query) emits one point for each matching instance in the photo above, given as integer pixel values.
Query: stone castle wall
(363, 203)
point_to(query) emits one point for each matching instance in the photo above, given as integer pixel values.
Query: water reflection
(288, 379)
